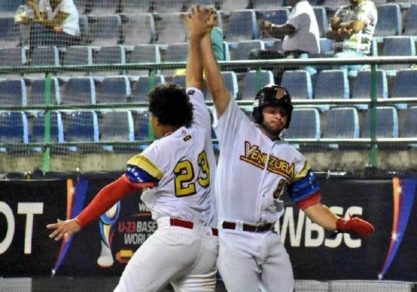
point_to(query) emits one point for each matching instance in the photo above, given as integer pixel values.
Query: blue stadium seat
(103, 7)
(267, 4)
(386, 122)
(322, 19)
(410, 26)
(242, 25)
(105, 30)
(240, 50)
(342, 123)
(231, 83)
(331, 84)
(78, 90)
(37, 132)
(362, 86)
(9, 33)
(78, 55)
(113, 89)
(229, 5)
(180, 80)
(170, 28)
(13, 129)
(298, 83)
(276, 15)
(45, 56)
(81, 126)
(389, 20)
(164, 6)
(36, 92)
(9, 7)
(404, 85)
(110, 55)
(144, 54)
(12, 57)
(254, 81)
(135, 6)
(174, 52)
(142, 127)
(397, 46)
(408, 128)
(13, 92)
(298, 129)
(143, 84)
(138, 29)
(117, 126)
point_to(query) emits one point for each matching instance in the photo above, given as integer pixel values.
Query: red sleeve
(106, 198)
(310, 201)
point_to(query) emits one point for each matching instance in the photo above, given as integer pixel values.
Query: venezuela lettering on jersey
(256, 157)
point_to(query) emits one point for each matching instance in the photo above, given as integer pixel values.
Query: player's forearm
(322, 216)
(221, 96)
(194, 69)
(104, 199)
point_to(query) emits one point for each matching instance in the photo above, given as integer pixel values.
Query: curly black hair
(171, 105)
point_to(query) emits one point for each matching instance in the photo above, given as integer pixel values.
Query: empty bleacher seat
(342, 123)
(138, 29)
(45, 56)
(110, 55)
(277, 15)
(240, 50)
(37, 93)
(331, 84)
(143, 84)
(143, 131)
(397, 46)
(389, 20)
(9, 7)
(176, 52)
(81, 126)
(104, 7)
(242, 25)
(404, 85)
(267, 4)
(170, 28)
(13, 129)
(410, 25)
(39, 123)
(78, 90)
(230, 5)
(135, 6)
(386, 123)
(13, 92)
(144, 54)
(78, 55)
(298, 129)
(322, 19)
(167, 6)
(362, 86)
(9, 33)
(113, 89)
(408, 128)
(105, 30)
(12, 57)
(230, 81)
(116, 126)
(255, 81)
(298, 83)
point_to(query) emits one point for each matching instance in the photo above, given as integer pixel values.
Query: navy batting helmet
(272, 95)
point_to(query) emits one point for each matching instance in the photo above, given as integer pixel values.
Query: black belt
(188, 224)
(248, 227)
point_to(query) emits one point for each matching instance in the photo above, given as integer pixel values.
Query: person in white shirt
(55, 23)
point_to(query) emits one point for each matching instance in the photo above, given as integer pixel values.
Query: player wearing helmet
(255, 168)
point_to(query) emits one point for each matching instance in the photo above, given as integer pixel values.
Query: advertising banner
(105, 246)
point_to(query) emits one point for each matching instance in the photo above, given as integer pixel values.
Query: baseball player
(176, 175)
(255, 168)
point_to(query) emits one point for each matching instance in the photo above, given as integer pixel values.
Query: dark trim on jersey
(310, 201)
(303, 188)
(137, 175)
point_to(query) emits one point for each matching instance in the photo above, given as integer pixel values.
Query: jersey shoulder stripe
(142, 162)
(137, 175)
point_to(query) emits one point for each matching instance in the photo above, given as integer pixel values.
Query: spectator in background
(216, 35)
(352, 27)
(300, 34)
(55, 23)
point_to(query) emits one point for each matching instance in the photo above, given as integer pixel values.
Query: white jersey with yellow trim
(183, 166)
(253, 171)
